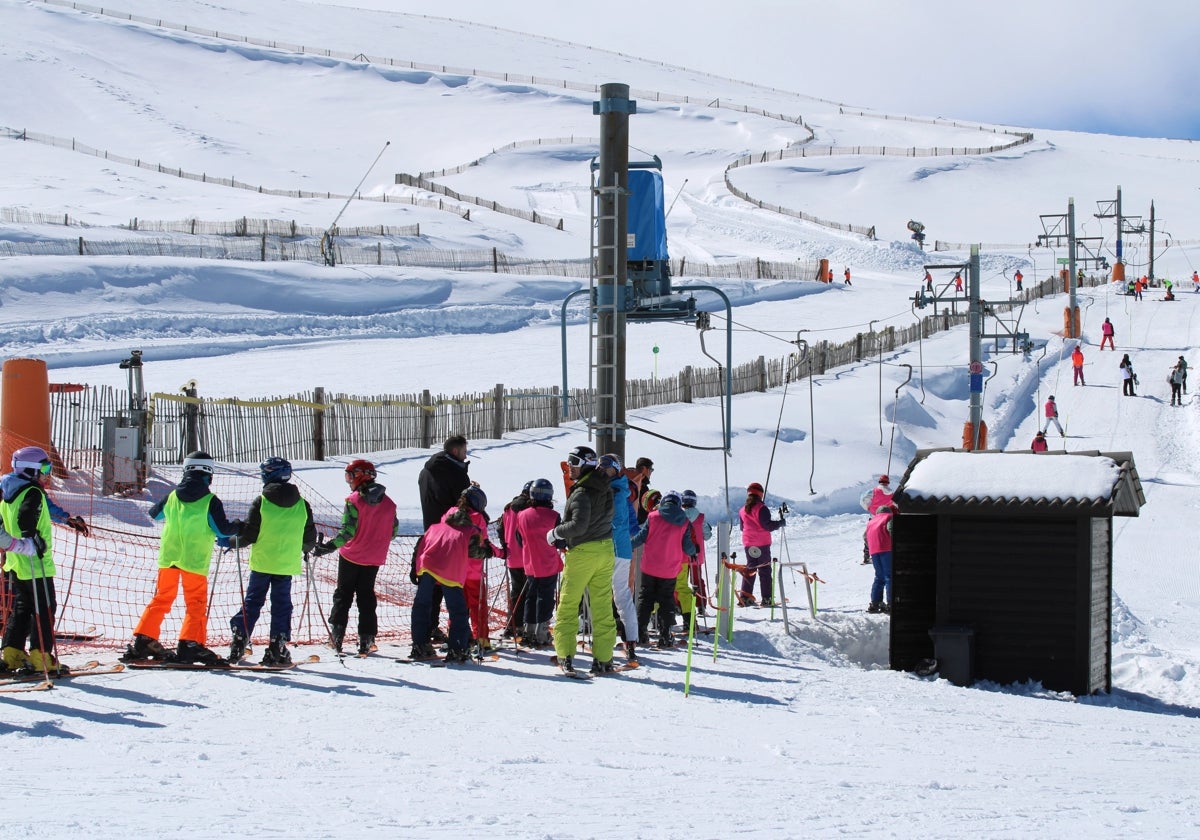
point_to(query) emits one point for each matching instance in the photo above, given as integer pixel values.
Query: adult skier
(587, 529)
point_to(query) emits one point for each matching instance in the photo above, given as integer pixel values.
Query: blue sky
(1100, 66)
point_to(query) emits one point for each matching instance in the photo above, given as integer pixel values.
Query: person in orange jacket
(1077, 365)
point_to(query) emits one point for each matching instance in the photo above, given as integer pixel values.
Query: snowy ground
(781, 735)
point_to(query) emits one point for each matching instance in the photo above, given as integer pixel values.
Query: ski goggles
(45, 468)
(574, 460)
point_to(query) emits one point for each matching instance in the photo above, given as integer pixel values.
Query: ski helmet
(359, 472)
(610, 462)
(199, 462)
(476, 498)
(582, 456)
(883, 479)
(525, 489)
(31, 461)
(756, 489)
(672, 497)
(275, 469)
(542, 490)
(689, 498)
(650, 500)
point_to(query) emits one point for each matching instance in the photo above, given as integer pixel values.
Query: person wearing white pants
(624, 526)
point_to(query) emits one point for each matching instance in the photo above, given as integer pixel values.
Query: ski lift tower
(631, 276)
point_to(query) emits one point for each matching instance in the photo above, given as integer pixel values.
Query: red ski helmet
(883, 479)
(359, 472)
(756, 489)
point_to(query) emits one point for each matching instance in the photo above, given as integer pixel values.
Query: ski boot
(337, 632)
(237, 647)
(422, 651)
(457, 655)
(600, 668)
(875, 607)
(665, 640)
(631, 653)
(277, 652)
(438, 636)
(566, 666)
(145, 647)
(195, 653)
(47, 662)
(15, 659)
(365, 643)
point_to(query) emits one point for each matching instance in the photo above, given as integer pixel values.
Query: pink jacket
(662, 553)
(515, 556)
(879, 533)
(475, 567)
(443, 551)
(753, 531)
(541, 560)
(1051, 408)
(373, 533)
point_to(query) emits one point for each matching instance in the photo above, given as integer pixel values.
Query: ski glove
(324, 547)
(27, 545)
(78, 524)
(550, 538)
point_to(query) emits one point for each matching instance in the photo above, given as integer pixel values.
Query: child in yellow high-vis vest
(193, 520)
(28, 514)
(279, 530)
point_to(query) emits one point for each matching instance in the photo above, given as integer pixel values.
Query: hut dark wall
(1034, 590)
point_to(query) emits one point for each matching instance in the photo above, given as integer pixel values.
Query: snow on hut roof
(1089, 483)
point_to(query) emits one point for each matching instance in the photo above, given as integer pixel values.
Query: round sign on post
(975, 368)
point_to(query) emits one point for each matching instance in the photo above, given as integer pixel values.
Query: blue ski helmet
(542, 491)
(275, 469)
(672, 497)
(689, 498)
(525, 489)
(476, 498)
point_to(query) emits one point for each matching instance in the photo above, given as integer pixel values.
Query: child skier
(441, 559)
(369, 524)
(193, 519)
(543, 562)
(514, 560)
(27, 514)
(279, 531)
(480, 549)
(701, 533)
(757, 526)
(668, 543)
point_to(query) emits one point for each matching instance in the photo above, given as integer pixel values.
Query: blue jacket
(624, 522)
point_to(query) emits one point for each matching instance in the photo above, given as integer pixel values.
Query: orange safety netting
(103, 581)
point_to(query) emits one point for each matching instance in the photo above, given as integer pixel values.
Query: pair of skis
(19, 681)
(168, 665)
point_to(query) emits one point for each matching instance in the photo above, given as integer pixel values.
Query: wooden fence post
(685, 384)
(498, 412)
(318, 424)
(426, 419)
(761, 369)
(858, 347)
(555, 406)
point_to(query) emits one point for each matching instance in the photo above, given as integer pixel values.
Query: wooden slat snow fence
(314, 425)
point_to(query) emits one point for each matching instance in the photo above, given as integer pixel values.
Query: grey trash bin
(954, 649)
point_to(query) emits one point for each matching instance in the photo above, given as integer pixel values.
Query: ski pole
(212, 585)
(687, 672)
(237, 559)
(37, 614)
(70, 583)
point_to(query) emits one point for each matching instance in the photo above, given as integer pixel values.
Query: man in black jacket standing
(442, 480)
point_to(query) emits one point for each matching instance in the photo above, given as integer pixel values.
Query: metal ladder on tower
(601, 330)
